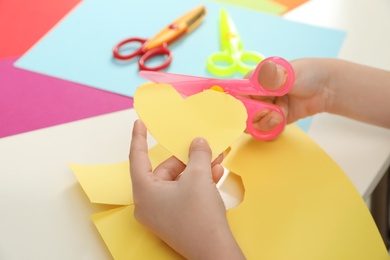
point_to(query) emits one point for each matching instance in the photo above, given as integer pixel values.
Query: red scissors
(158, 45)
(238, 88)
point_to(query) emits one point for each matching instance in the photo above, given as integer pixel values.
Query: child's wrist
(217, 243)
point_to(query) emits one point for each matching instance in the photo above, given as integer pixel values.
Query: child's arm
(329, 85)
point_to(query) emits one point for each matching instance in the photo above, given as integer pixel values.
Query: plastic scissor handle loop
(221, 64)
(225, 64)
(253, 107)
(248, 61)
(139, 51)
(161, 50)
(285, 88)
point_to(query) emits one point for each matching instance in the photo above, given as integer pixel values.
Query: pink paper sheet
(30, 101)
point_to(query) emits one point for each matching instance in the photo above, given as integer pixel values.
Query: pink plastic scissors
(238, 88)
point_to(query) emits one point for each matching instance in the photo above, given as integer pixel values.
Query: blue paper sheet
(79, 48)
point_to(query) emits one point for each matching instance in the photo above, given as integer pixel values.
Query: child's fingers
(217, 172)
(218, 160)
(170, 169)
(199, 155)
(271, 75)
(139, 161)
(267, 121)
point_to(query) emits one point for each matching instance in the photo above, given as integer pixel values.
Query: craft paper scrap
(127, 239)
(31, 101)
(24, 22)
(175, 122)
(105, 184)
(110, 183)
(82, 51)
(298, 203)
(296, 199)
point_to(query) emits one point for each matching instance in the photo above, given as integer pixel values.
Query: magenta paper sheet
(30, 101)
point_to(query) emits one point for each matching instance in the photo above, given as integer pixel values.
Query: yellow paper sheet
(271, 7)
(110, 183)
(127, 239)
(175, 122)
(298, 204)
(277, 7)
(105, 184)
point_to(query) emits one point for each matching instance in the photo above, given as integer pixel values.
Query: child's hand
(181, 204)
(308, 96)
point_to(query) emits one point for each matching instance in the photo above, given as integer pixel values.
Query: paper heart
(174, 122)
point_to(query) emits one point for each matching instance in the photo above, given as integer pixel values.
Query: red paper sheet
(24, 22)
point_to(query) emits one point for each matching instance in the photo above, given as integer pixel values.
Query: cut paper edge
(299, 203)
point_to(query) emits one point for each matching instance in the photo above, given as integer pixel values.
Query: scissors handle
(221, 64)
(249, 60)
(253, 107)
(145, 54)
(225, 64)
(157, 51)
(120, 45)
(284, 89)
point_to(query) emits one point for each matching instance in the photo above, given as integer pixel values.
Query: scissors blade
(230, 38)
(184, 84)
(178, 28)
(193, 18)
(164, 77)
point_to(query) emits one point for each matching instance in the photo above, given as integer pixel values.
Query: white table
(44, 213)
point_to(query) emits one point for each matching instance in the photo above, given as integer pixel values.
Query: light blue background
(79, 48)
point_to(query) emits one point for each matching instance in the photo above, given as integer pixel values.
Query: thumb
(199, 156)
(271, 75)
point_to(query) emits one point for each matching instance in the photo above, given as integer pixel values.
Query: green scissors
(232, 57)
